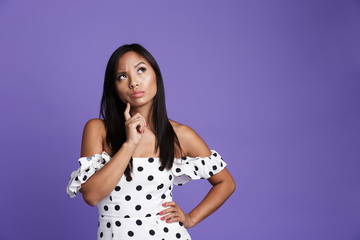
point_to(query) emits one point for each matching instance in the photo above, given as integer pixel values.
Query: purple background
(273, 86)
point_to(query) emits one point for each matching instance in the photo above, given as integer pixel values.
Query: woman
(131, 159)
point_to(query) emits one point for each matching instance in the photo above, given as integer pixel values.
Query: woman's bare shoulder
(93, 135)
(192, 144)
(180, 129)
(95, 123)
(175, 124)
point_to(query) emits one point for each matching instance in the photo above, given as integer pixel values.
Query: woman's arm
(222, 182)
(102, 182)
(223, 187)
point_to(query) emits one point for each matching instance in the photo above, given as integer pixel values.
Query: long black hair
(112, 111)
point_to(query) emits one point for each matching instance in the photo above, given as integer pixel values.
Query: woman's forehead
(131, 59)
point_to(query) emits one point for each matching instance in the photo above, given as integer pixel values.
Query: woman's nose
(133, 82)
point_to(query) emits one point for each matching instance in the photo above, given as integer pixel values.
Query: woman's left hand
(176, 214)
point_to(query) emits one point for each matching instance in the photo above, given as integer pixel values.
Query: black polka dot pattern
(185, 170)
(130, 211)
(88, 166)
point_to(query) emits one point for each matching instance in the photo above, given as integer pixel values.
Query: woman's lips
(137, 94)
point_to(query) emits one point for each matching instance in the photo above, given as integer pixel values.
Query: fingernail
(164, 204)
(162, 218)
(167, 221)
(147, 124)
(160, 212)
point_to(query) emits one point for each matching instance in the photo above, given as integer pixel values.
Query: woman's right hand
(134, 126)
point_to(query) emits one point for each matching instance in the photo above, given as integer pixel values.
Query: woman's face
(135, 80)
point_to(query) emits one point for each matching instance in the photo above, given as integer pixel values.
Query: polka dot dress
(130, 211)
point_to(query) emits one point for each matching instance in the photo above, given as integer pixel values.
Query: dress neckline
(145, 157)
(137, 157)
(158, 157)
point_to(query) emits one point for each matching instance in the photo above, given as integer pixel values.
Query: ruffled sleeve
(88, 166)
(187, 168)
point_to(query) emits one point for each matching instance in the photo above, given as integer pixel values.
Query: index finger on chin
(127, 111)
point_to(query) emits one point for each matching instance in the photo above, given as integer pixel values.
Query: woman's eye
(122, 76)
(141, 70)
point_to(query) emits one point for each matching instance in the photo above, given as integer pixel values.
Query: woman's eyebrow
(122, 71)
(139, 64)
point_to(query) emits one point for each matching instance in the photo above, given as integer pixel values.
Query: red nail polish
(162, 218)
(167, 221)
(160, 212)
(164, 204)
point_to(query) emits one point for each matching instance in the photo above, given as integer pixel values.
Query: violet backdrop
(273, 86)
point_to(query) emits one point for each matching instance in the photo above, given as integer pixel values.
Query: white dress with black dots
(131, 210)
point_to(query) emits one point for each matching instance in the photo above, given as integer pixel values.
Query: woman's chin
(138, 103)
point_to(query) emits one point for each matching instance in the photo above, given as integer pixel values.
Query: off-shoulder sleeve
(187, 168)
(88, 166)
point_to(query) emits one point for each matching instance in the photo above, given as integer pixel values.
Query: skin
(134, 73)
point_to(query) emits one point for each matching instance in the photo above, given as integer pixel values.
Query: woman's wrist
(129, 146)
(190, 221)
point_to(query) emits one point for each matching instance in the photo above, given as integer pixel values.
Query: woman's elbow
(89, 199)
(232, 186)
(90, 202)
